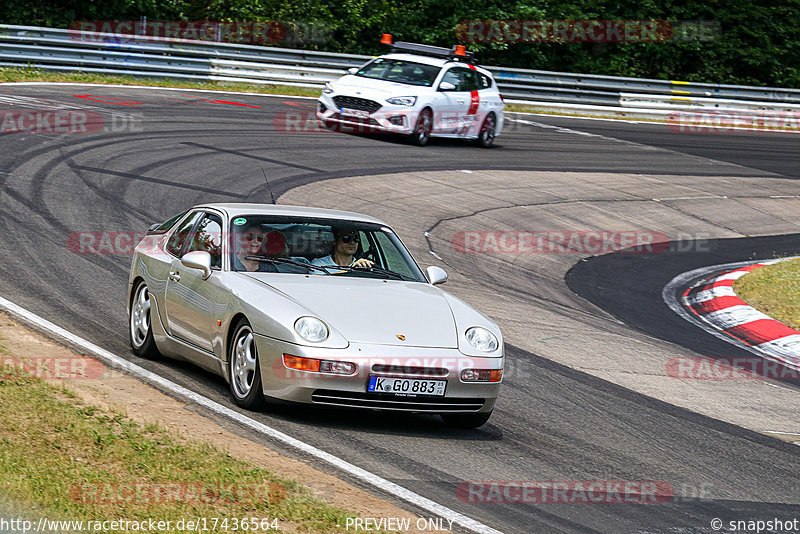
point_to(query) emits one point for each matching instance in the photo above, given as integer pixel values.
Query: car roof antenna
(268, 186)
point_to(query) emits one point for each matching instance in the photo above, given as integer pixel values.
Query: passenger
(254, 241)
(344, 248)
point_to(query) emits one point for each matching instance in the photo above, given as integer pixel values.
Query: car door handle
(461, 101)
(175, 275)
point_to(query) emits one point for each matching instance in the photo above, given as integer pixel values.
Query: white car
(417, 90)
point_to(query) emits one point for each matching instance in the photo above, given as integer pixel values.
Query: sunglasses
(350, 239)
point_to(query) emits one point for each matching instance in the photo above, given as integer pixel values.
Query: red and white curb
(714, 302)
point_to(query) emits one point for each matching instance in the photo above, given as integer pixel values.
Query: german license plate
(406, 386)
(354, 113)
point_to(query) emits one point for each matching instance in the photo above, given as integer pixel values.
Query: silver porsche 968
(315, 306)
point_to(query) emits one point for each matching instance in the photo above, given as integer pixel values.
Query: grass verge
(774, 290)
(28, 74)
(63, 459)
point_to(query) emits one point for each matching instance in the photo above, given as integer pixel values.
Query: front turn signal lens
(301, 364)
(482, 375)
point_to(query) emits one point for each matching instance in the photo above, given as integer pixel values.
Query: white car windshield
(268, 243)
(396, 70)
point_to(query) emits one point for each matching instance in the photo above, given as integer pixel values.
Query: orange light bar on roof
(386, 38)
(461, 50)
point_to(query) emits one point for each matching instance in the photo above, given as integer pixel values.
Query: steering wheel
(370, 254)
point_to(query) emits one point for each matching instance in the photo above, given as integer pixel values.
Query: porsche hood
(374, 311)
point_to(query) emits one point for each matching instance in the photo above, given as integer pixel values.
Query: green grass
(774, 290)
(60, 458)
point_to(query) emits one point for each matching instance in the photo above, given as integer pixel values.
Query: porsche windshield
(396, 70)
(265, 243)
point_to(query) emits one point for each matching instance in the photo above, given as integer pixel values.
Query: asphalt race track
(557, 421)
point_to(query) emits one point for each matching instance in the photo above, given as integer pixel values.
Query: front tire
(423, 128)
(488, 132)
(140, 327)
(244, 369)
(466, 420)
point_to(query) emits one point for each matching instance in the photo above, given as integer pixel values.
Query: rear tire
(466, 420)
(244, 369)
(423, 128)
(140, 327)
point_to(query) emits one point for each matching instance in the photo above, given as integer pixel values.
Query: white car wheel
(244, 368)
(140, 323)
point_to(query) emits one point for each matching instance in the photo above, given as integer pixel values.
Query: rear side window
(472, 81)
(178, 237)
(456, 77)
(486, 82)
(166, 225)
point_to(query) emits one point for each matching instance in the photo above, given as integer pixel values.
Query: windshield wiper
(289, 262)
(374, 269)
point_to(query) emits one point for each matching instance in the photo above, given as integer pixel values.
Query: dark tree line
(753, 42)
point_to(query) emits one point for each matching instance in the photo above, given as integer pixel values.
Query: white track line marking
(691, 198)
(362, 474)
(735, 275)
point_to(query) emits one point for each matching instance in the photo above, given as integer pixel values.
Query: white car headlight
(482, 339)
(311, 329)
(328, 88)
(402, 100)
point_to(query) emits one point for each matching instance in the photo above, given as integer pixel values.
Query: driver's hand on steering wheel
(363, 263)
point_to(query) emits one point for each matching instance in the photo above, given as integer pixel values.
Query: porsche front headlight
(482, 339)
(311, 329)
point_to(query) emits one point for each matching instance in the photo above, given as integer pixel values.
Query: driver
(344, 248)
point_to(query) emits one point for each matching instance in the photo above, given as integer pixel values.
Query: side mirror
(447, 86)
(198, 259)
(436, 275)
(352, 70)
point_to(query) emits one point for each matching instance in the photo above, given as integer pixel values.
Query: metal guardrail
(67, 50)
